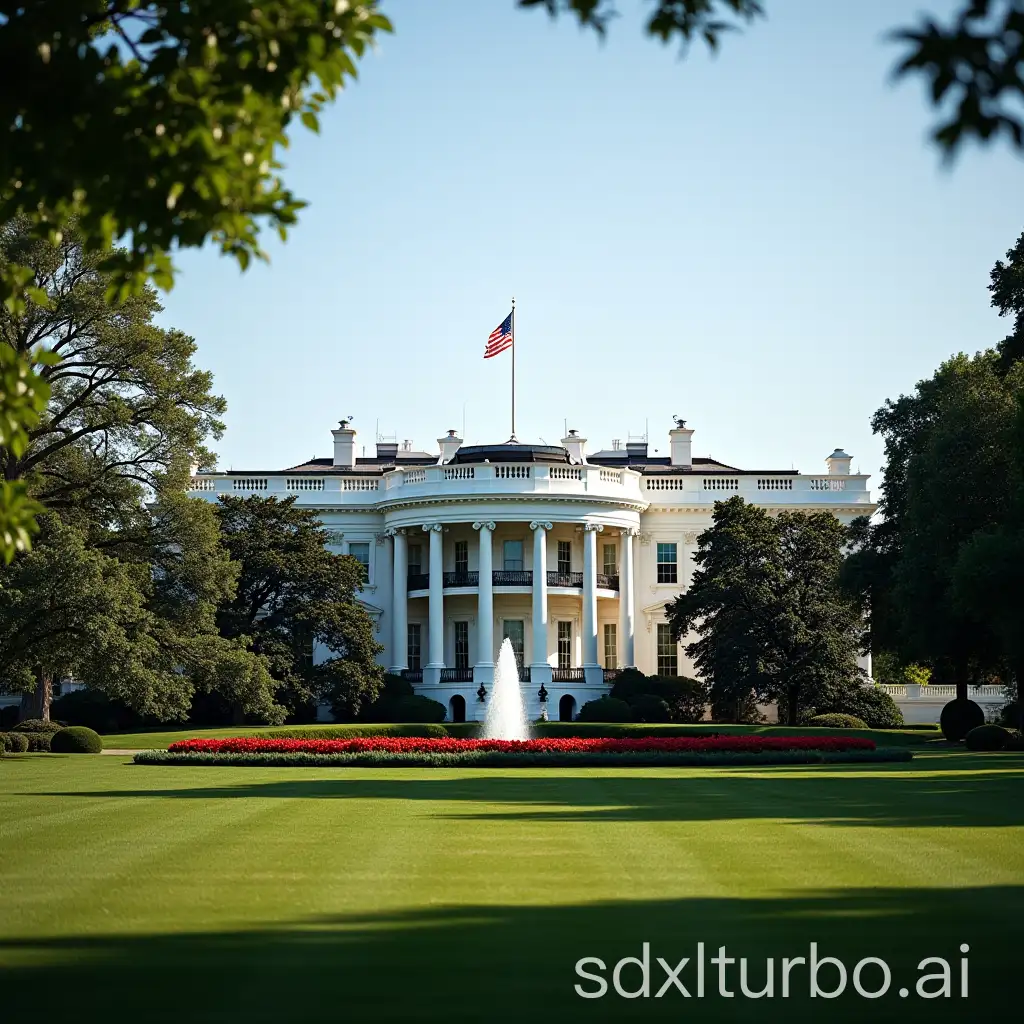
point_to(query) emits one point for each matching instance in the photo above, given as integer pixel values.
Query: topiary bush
(417, 709)
(76, 739)
(39, 725)
(958, 718)
(1008, 715)
(987, 737)
(13, 742)
(836, 720)
(605, 709)
(648, 708)
(38, 742)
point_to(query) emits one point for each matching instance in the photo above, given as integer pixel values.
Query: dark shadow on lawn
(515, 963)
(992, 795)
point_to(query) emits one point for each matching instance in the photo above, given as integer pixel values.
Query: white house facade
(569, 555)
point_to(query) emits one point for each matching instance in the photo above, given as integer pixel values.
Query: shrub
(735, 710)
(13, 742)
(384, 708)
(313, 732)
(38, 725)
(648, 708)
(76, 739)
(418, 709)
(1008, 715)
(835, 720)
(8, 716)
(606, 709)
(96, 710)
(987, 737)
(958, 718)
(1015, 741)
(38, 742)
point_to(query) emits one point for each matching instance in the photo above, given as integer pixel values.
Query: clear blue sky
(763, 242)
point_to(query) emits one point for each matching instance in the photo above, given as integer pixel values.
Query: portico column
(540, 591)
(399, 601)
(627, 655)
(483, 672)
(435, 603)
(590, 532)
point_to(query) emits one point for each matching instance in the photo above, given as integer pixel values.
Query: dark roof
(511, 453)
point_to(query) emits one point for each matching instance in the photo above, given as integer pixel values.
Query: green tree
(293, 596)
(766, 604)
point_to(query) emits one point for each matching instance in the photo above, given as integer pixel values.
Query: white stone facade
(572, 556)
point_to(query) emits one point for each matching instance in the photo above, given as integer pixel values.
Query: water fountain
(506, 716)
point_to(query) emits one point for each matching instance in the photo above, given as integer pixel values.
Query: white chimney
(679, 444)
(573, 444)
(344, 445)
(839, 463)
(449, 446)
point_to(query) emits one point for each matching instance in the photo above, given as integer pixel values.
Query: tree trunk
(37, 703)
(791, 709)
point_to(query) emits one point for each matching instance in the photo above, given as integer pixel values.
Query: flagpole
(513, 437)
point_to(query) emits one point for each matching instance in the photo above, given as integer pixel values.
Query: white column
(590, 532)
(484, 669)
(627, 655)
(540, 591)
(435, 600)
(399, 601)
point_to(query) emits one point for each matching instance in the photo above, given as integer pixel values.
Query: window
(415, 559)
(361, 553)
(610, 561)
(564, 557)
(513, 555)
(462, 556)
(513, 629)
(462, 645)
(565, 645)
(667, 571)
(415, 636)
(668, 652)
(611, 647)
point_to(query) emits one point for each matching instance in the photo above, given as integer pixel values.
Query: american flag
(500, 339)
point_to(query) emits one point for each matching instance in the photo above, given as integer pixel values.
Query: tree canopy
(295, 599)
(767, 608)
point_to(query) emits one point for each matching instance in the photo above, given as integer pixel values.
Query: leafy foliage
(76, 739)
(835, 720)
(959, 717)
(661, 698)
(987, 737)
(294, 595)
(765, 602)
(13, 742)
(605, 709)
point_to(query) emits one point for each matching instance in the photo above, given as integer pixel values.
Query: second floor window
(513, 555)
(667, 564)
(609, 561)
(462, 556)
(361, 553)
(564, 557)
(415, 559)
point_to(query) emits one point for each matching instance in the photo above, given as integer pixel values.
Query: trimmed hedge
(427, 730)
(987, 737)
(13, 742)
(958, 718)
(605, 709)
(38, 742)
(76, 739)
(501, 759)
(834, 720)
(38, 725)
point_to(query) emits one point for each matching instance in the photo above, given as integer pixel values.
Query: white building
(572, 556)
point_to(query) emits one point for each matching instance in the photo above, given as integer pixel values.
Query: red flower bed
(409, 744)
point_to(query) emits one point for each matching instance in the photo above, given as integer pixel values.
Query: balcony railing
(524, 673)
(412, 675)
(567, 675)
(607, 582)
(512, 578)
(565, 579)
(457, 675)
(419, 580)
(461, 579)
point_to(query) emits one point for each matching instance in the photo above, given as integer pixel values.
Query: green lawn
(162, 738)
(132, 893)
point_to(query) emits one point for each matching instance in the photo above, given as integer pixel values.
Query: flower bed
(550, 744)
(548, 752)
(522, 758)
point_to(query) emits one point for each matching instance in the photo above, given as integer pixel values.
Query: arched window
(567, 708)
(457, 709)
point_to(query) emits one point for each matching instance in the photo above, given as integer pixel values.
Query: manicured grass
(179, 894)
(161, 740)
